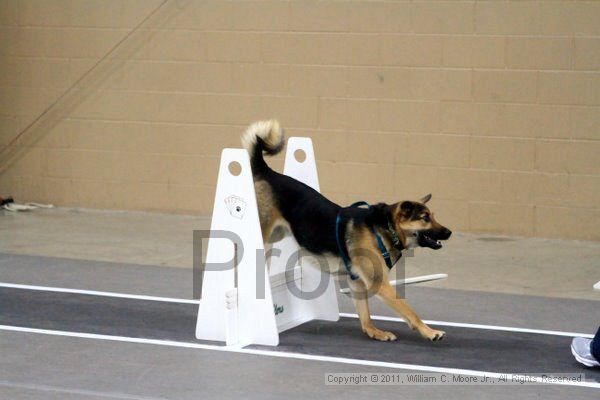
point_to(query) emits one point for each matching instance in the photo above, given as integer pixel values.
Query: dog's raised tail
(262, 137)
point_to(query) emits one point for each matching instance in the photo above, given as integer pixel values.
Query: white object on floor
(597, 286)
(25, 207)
(40, 205)
(407, 281)
(244, 303)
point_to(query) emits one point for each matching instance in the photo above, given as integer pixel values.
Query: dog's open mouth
(425, 240)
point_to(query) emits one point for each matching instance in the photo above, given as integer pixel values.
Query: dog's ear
(407, 207)
(425, 199)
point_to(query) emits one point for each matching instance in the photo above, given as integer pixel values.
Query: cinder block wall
(490, 105)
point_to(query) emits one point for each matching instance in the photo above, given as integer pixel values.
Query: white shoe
(580, 347)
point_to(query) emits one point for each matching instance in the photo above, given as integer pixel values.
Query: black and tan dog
(313, 220)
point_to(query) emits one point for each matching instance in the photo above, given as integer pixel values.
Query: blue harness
(344, 253)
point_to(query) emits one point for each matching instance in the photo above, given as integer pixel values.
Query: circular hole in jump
(300, 155)
(235, 168)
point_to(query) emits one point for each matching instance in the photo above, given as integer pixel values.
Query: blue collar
(384, 252)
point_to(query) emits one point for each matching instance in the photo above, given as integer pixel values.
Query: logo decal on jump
(236, 206)
(277, 308)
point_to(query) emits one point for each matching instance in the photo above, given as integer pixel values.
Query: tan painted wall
(490, 105)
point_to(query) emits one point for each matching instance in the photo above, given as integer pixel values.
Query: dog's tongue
(429, 242)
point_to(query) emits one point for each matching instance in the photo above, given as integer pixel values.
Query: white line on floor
(346, 315)
(97, 293)
(478, 326)
(298, 356)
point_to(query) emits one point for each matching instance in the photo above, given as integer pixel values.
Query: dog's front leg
(361, 301)
(374, 278)
(388, 294)
(369, 265)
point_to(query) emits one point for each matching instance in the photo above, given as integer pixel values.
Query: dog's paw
(432, 334)
(378, 334)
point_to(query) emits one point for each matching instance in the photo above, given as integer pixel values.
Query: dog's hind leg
(361, 301)
(268, 212)
(268, 224)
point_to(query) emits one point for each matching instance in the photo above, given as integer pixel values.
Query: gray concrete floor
(117, 236)
(499, 264)
(103, 370)
(533, 283)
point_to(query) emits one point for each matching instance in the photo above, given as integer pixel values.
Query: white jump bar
(408, 281)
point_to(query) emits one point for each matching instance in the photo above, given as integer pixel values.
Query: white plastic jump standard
(236, 307)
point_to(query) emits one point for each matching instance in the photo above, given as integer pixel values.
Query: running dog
(364, 238)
